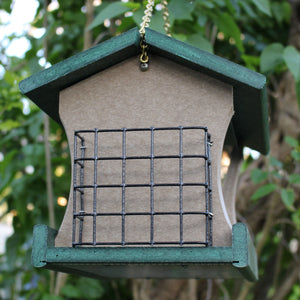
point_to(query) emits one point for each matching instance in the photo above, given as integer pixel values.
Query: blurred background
(263, 35)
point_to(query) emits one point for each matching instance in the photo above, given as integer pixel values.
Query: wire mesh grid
(88, 186)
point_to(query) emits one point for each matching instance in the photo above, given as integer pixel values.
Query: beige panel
(166, 95)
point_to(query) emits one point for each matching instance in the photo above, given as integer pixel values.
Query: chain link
(144, 58)
(167, 25)
(147, 17)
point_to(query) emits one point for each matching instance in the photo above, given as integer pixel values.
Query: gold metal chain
(147, 17)
(144, 58)
(167, 25)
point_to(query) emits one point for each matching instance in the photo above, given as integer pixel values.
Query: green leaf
(181, 10)
(112, 10)
(94, 291)
(275, 162)
(276, 174)
(51, 297)
(291, 141)
(264, 191)
(296, 218)
(199, 41)
(258, 175)
(34, 65)
(10, 78)
(33, 150)
(9, 125)
(271, 57)
(232, 6)
(228, 26)
(248, 9)
(132, 5)
(6, 5)
(263, 6)
(281, 11)
(246, 163)
(296, 155)
(206, 3)
(157, 22)
(71, 291)
(138, 15)
(288, 197)
(35, 124)
(252, 62)
(179, 36)
(12, 244)
(294, 178)
(7, 161)
(202, 19)
(291, 57)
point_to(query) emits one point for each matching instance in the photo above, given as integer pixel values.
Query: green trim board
(250, 121)
(148, 262)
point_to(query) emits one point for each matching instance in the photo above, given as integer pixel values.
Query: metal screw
(144, 66)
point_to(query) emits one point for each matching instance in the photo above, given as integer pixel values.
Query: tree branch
(88, 34)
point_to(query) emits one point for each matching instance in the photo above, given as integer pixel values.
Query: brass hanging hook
(144, 58)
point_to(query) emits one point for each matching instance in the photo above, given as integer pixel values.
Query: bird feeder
(146, 198)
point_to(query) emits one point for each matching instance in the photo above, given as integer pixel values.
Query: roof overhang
(250, 121)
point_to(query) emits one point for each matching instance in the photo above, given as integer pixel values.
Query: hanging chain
(167, 25)
(147, 17)
(144, 58)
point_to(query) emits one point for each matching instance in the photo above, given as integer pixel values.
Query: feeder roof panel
(250, 121)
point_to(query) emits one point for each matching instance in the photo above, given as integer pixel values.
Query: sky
(17, 23)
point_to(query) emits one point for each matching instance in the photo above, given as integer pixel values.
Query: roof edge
(80, 60)
(225, 69)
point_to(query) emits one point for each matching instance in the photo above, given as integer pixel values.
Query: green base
(148, 262)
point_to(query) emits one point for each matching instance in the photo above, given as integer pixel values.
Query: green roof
(250, 121)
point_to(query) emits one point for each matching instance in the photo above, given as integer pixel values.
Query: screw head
(144, 67)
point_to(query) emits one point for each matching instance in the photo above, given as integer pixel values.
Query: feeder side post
(244, 253)
(43, 237)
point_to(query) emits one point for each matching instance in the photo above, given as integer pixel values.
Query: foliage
(250, 32)
(275, 57)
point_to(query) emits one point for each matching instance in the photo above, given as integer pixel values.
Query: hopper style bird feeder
(146, 197)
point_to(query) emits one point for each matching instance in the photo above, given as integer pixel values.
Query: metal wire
(81, 187)
(81, 192)
(123, 183)
(95, 185)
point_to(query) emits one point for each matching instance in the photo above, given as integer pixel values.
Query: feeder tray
(236, 261)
